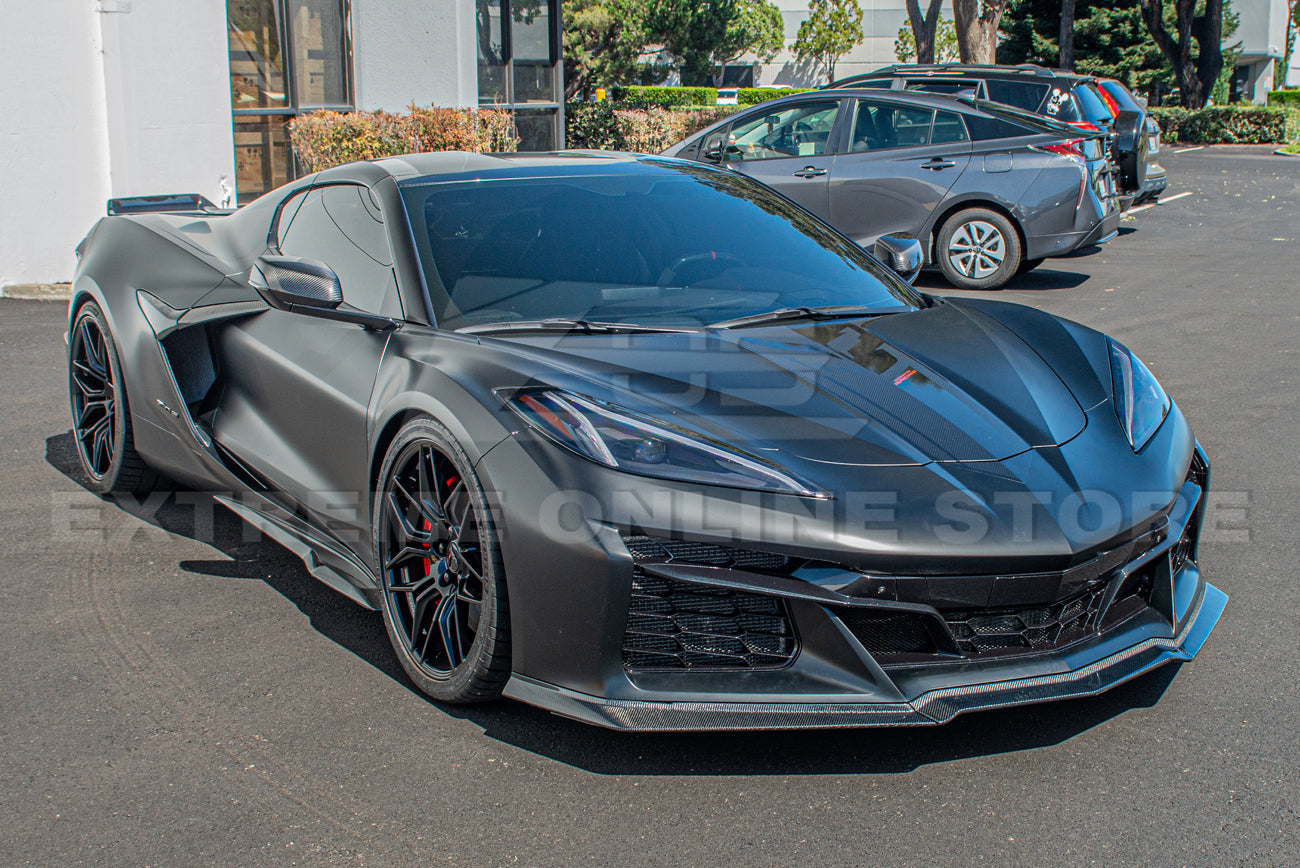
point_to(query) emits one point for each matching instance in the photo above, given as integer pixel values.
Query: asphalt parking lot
(170, 701)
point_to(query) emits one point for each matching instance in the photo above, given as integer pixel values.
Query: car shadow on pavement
(249, 555)
(1042, 278)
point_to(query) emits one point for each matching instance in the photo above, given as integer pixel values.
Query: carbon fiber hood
(944, 384)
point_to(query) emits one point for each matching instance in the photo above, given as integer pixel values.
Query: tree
(757, 29)
(1196, 73)
(832, 28)
(977, 29)
(692, 30)
(1066, 41)
(943, 44)
(602, 40)
(925, 28)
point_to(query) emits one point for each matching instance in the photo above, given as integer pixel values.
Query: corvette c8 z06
(639, 441)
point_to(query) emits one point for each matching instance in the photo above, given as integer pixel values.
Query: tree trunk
(1067, 35)
(924, 28)
(1196, 75)
(977, 29)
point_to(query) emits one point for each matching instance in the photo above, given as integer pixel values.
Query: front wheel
(978, 249)
(444, 593)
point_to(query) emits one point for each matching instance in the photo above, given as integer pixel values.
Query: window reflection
(256, 62)
(263, 160)
(518, 65)
(319, 53)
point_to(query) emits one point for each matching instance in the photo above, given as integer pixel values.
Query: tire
(101, 413)
(447, 614)
(1028, 265)
(978, 249)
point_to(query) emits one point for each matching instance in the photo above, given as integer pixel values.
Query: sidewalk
(37, 291)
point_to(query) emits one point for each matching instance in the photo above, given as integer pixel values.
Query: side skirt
(336, 567)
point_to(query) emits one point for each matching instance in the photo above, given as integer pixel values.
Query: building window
(519, 67)
(286, 56)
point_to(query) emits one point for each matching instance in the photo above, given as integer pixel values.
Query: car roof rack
(941, 68)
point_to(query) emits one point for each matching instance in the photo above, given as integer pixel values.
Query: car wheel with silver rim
(978, 249)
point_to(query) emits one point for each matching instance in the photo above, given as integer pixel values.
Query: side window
(1027, 95)
(983, 128)
(802, 130)
(1060, 106)
(287, 214)
(948, 128)
(343, 227)
(951, 88)
(879, 125)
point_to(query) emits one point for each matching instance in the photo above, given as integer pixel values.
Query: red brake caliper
(428, 526)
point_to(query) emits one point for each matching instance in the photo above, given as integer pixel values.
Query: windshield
(652, 243)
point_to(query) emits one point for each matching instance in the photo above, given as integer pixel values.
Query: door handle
(937, 163)
(809, 172)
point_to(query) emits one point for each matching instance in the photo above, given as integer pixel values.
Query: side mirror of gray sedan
(902, 253)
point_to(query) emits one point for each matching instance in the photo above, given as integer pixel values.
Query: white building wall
(105, 99)
(881, 20)
(435, 41)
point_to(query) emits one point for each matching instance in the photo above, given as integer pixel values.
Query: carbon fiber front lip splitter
(928, 709)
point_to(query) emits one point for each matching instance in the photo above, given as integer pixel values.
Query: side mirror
(310, 287)
(712, 149)
(902, 253)
(289, 281)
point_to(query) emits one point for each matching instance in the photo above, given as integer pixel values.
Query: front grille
(1199, 472)
(887, 635)
(1035, 628)
(683, 625)
(649, 548)
(1181, 553)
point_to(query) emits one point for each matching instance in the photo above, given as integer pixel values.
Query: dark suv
(1075, 99)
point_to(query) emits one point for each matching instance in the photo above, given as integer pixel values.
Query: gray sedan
(990, 190)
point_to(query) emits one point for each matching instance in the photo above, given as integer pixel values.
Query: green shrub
(324, 138)
(1230, 125)
(591, 125)
(1284, 98)
(755, 95)
(603, 126)
(636, 96)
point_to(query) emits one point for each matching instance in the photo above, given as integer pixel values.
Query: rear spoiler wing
(180, 202)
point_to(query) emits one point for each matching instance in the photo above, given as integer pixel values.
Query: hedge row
(636, 96)
(605, 126)
(755, 95)
(322, 139)
(1232, 125)
(1284, 97)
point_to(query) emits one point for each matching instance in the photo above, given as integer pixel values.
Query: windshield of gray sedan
(671, 245)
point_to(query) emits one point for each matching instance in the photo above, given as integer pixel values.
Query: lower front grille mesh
(682, 625)
(1034, 628)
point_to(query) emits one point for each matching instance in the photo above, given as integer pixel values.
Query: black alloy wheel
(101, 418)
(444, 599)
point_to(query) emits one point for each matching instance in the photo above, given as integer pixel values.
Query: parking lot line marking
(1189, 150)
(1164, 200)
(1139, 209)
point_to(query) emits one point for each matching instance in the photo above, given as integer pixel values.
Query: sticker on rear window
(1056, 100)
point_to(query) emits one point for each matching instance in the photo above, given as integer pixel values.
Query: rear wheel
(101, 415)
(445, 606)
(978, 249)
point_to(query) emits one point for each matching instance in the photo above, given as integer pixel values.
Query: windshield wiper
(557, 324)
(839, 311)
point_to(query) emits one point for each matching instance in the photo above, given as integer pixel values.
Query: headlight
(1140, 403)
(630, 442)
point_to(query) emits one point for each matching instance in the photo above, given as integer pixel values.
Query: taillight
(1065, 149)
(1086, 126)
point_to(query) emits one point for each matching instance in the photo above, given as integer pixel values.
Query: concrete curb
(37, 291)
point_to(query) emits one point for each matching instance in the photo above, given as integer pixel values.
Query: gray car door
(898, 165)
(789, 147)
(300, 386)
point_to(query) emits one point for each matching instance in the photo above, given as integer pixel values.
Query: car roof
(911, 97)
(973, 70)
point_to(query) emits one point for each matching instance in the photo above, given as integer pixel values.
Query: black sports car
(639, 441)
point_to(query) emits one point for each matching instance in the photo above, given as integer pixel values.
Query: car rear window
(1091, 104)
(1027, 95)
(1059, 105)
(983, 128)
(1121, 95)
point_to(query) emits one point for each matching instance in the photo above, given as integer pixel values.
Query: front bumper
(929, 708)
(839, 675)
